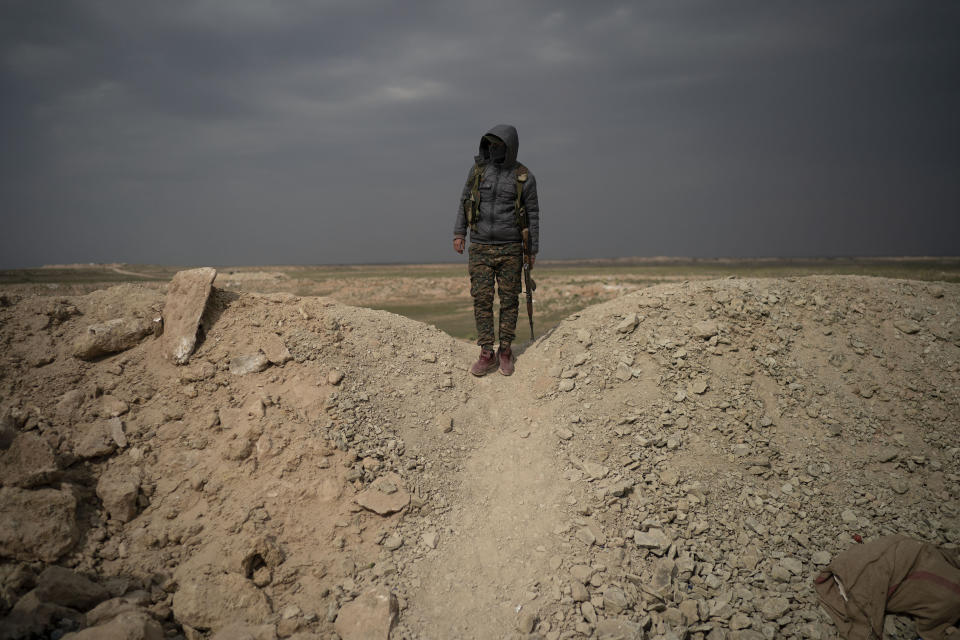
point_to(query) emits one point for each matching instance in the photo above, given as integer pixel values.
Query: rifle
(531, 286)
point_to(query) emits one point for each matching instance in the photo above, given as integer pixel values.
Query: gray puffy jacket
(497, 223)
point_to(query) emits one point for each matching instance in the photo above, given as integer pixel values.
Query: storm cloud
(242, 132)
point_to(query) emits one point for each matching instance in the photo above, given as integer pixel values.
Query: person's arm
(460, 225)
(532, 205)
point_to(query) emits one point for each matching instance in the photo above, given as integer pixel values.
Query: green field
(438, 293)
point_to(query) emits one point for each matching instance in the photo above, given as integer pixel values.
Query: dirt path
(507, 509)
(126, 272)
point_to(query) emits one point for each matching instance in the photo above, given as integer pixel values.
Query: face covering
(498, 152)
(496, 149)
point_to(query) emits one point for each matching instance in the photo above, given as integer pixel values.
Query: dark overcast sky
(255, 132)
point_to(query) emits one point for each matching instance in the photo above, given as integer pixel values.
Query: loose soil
(748, 424)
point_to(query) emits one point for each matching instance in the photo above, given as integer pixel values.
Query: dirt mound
(680, 460)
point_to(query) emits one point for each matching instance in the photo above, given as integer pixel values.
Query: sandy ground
(671, 463)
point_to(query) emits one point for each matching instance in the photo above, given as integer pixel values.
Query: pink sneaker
(485, 364)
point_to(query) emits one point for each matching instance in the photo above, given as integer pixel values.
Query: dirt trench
(490, 569)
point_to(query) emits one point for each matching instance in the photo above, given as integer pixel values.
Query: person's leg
(508, 272)
(481, 288)
(481, 268)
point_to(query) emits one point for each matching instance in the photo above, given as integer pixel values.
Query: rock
(110, 609)
(620, 488)
(116, 432)
(37, 525)
(579, 592)
(29, 462)
(566, 384)
(111, 406)
(628, 324)
(623, 372)
(198, 371)
(907, 326)
(274, 349)
(595, 471)
(68, 406)
(392, 542)
(690, 612)
(32, 618)
(527, 621)
(618, 629)
(749, 558)
(740, 621)
(430, 539)
(8, 430)
(705, 329)
(249, 363)
(849, 516)
(664, 572)
(792, 565)
(586, 536)
(899, 486)
(67, 588)
(95, 440)
(130, 625)
(210, 598)
(887, 454)
(563, 433)
(774, 608)
(614, 600)
(581, 573)
(335, 377)
(821, 558)
(698, 386)
(588, 612)
(239, 448)
(263, 551)
(112, 336)
(246, 632)
(380, 499)
(370, 617)
(186, 299)
(673, 617)
(445, 422)
(118, 488)
(651, 539)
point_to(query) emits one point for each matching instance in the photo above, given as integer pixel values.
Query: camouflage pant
(502, 263)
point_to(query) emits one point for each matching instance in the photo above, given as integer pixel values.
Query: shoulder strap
(519, 210)
(522, 173)
(472, 205)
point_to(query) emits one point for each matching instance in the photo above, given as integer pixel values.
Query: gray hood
(508, 134)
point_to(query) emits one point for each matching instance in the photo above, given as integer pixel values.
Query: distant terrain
(439, 294)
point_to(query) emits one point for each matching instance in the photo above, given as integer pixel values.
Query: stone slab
(186, 299)
(37, 525)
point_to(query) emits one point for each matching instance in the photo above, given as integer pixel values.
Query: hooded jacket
(497, 222)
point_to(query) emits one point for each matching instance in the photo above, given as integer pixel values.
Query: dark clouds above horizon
(242, 132)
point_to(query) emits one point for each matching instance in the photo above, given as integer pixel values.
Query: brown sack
(893, 574)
